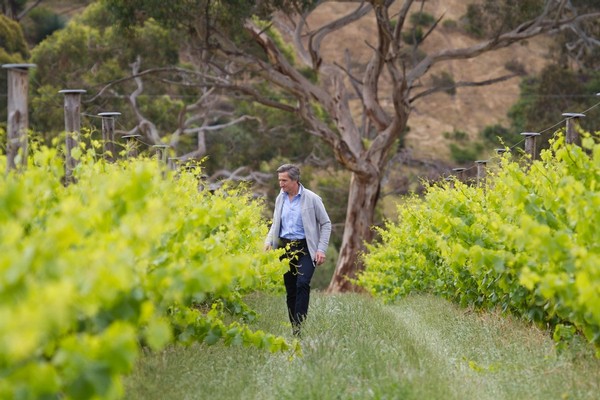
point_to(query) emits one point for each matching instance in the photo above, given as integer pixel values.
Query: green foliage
(556, 90)
(421, 19)
(449, 24)
(444, 80)
(493, 17)
(515, 66)
(474, 21)
(202, 17)
(270, 135)
(127, 258)
(464, 154)
(310, 74)
(463, 150)
(275, 35)
(414, 36)
(499, 135)
(459, 136)
(88, 54)
(542, 101)
(12, 39)
(40, 23)
(527, 243)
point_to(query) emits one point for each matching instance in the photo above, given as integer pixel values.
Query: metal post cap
(18, 66)
(72, 91)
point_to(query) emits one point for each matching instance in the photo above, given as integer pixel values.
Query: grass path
(356, 348)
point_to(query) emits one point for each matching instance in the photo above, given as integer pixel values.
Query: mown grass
(356, 348)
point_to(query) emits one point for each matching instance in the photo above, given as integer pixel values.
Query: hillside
(472, 108)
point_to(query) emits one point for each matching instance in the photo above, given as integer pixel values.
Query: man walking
(302, 226)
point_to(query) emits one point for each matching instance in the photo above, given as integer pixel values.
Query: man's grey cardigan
(317, 226)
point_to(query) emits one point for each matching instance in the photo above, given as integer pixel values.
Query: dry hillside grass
(472, 108)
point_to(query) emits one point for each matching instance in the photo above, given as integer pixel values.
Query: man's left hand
(320, 257)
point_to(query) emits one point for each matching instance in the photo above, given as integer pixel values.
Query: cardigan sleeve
(324, 226)
(272, 238)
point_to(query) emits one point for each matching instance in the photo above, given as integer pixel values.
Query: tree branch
(220, 126)
(315, 39)
(462, 84)
(132, 77)
(144, 125)
(523, 32)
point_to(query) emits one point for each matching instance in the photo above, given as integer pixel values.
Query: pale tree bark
(144, 125)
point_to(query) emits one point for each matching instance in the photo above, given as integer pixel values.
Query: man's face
(286, 184)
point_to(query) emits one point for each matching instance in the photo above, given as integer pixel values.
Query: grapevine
(527, 242)
(128, 257)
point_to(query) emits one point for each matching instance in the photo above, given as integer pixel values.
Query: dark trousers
(297, 279)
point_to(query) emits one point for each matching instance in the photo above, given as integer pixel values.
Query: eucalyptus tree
(360, 113)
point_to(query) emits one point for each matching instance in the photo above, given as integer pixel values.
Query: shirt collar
(300, 190)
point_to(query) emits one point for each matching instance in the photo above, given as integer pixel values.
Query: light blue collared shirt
(291, 218)
(316, 222)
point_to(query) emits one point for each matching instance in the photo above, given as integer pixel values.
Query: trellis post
(108, 135)
(481, 171)
(500, 152)
(572, 136)
(131, 144)
(530, 143)
(18, 115)
(459, 172)
(162, 152)
(72, 106)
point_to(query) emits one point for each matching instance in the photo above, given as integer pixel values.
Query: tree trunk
(362, 199)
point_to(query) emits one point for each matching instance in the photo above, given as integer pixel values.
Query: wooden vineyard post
(572, 136)
(131, 145)
(72, 106)
(481, 171)
(459, 172)
(18, 115)
(162, 152)
(530, 143)
(108, 135)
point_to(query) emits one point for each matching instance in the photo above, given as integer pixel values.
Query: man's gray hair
(292, 170)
